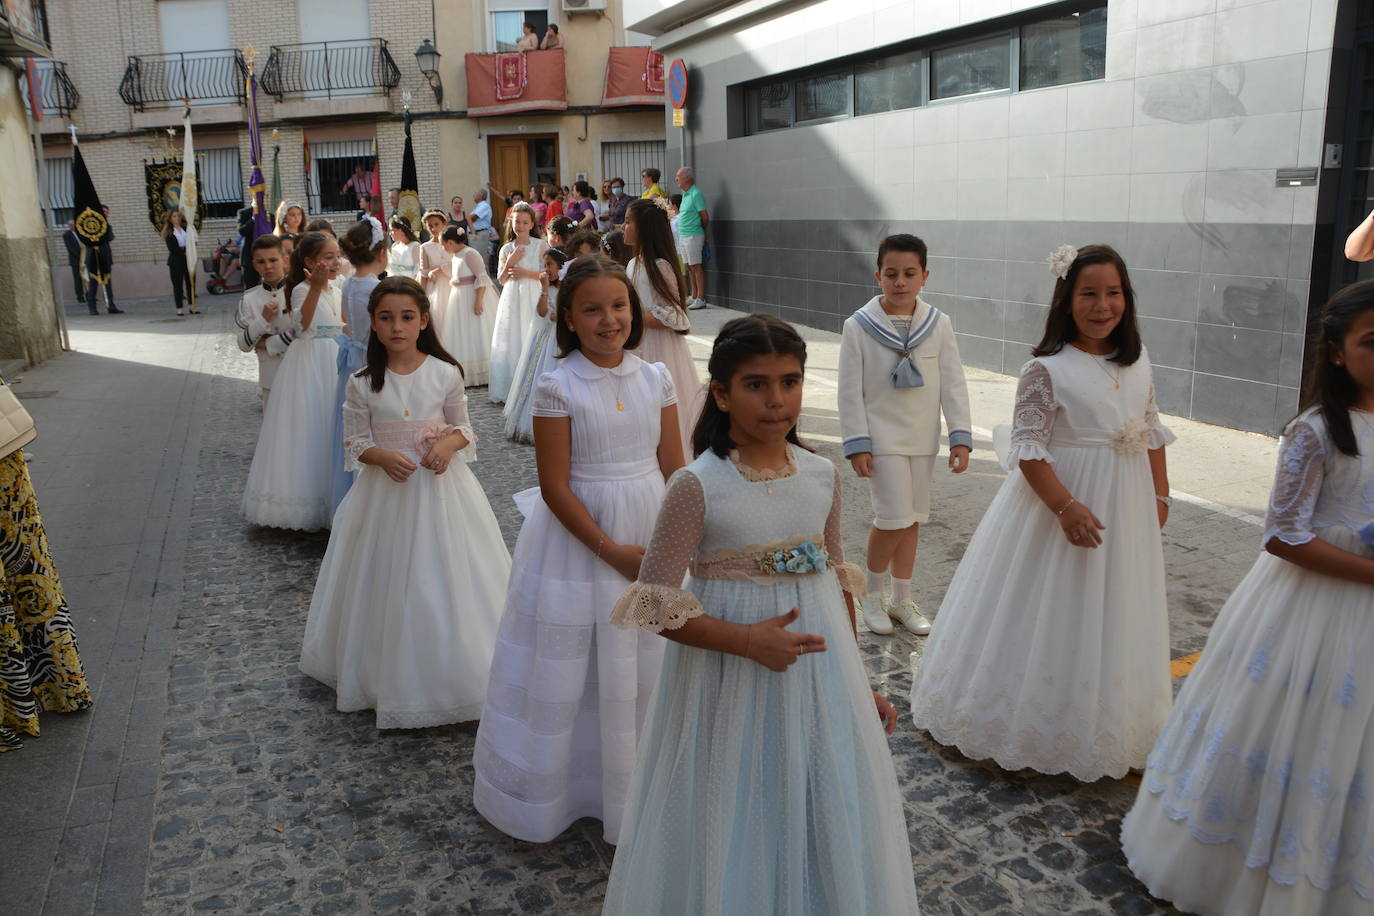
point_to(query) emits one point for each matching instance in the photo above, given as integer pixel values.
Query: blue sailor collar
(878, 325)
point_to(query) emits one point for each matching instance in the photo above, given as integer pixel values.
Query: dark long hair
(356, 245)
(1060, 328)
(403, 223)
(308, 245)
(582, 270)
(741, 339)
(427, 343)
(654, 243)
(1329, 386)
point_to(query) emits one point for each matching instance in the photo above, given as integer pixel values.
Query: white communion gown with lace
(568, 690)
(465, 334)
(668, 345)
(1046, 655)
(1254, 799)
(758, 791)
(404, 615)
(289, 481)
(518, 305)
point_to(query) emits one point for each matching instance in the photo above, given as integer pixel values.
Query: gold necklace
(1100, 362)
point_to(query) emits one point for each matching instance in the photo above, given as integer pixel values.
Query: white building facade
(1223, 146)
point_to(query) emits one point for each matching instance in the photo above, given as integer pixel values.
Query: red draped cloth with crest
(634, 76)
(516, 81)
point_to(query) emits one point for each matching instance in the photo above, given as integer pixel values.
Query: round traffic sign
(677, 83)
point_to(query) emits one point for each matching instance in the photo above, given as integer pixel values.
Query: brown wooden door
(510, 168)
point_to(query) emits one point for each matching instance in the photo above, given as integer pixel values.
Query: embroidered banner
(634, 76)
(164, 190)
(513, 81)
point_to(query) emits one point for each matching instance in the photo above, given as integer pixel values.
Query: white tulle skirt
(1254, 799)
(467, 336)
(289, 481)
(765, 792)
(1049, 656)
(539, 357)
(404, 615)
(569, 690)
(514, 313)
(660, 345)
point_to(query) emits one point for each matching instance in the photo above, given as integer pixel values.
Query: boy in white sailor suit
(263, 323)
(899, 370)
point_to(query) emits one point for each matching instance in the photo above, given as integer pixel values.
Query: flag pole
(190, 201)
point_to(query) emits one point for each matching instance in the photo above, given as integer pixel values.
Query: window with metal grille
(221, 182)
(332, 165)
(626, 159)
(57, 182)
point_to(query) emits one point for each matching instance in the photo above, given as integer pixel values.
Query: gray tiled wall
(1222, 306)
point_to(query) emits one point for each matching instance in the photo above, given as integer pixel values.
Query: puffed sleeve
(1032, 420)
(657, 601)
(357, 422)
(674, 319)
(669, 390)
(850, 575)
(1160, 435)
(456, 416)
(550, 399)
(1297, 484)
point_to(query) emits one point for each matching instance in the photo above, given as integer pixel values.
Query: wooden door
(510, 168)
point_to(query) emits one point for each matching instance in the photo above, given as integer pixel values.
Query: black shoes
(94, 310)
(115, 311)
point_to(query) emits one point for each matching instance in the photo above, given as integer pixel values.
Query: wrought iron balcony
(331, 69)
(57, 93)
(195, 76)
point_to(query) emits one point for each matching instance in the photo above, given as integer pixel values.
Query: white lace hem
(1025, 451)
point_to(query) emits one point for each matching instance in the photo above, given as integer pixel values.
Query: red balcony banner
(634, 76)
(516, 81)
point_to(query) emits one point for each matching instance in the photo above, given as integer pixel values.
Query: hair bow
(378, 234)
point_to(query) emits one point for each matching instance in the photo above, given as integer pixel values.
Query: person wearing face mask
(620, 202)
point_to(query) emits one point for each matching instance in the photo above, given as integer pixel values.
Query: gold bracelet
(1065, 508)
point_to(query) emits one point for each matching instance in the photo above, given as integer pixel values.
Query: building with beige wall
(334, 74)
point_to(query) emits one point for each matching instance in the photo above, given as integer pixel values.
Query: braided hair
(739, 340)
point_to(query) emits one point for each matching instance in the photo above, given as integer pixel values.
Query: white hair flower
(1061, 259)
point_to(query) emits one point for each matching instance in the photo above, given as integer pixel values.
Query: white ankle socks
(901, 590)
(876, 583)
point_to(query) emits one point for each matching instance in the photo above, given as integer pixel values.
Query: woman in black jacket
(174, 234)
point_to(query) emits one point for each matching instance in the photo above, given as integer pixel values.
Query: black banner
(91, 225)
(408, 202)
(164, 191)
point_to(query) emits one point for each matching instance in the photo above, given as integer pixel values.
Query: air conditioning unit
(584, 6)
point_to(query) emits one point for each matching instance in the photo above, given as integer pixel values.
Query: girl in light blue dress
(368, 255)
(1256, 798)
(763, 782)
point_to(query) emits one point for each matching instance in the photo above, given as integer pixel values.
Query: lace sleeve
(1297, 484)
(549, 399)
(675, 319)
(1032, 419)
(657, 601)
(1160, 435)
(357, 422)
(456, 416)
(850, 575)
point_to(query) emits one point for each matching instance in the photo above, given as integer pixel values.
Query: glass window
(888, 84)
(508, 25)
(982, 65)
(1069, 49)
(824, 96)
(768, 107)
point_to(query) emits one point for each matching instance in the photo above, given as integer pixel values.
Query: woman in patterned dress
(39, 664)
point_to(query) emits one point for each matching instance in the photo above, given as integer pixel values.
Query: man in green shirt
(691, 226)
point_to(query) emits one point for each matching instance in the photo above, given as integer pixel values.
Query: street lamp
(427, 57)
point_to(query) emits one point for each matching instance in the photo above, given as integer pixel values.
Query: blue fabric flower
(798, 564)
(1367, 534)
(780, 566)
(813, 555)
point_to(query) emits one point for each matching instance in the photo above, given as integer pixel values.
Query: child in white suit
(262, 318)
(899, 370)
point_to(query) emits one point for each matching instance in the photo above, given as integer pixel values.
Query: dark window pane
(978, 66)
(1070, 49)
(888, 84)
(769, 107)
(824, 96)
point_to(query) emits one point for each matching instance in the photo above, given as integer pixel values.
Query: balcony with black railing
(194, 77)
(57, 94)
(331, 70)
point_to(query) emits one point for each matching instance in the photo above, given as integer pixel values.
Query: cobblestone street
(254, 795)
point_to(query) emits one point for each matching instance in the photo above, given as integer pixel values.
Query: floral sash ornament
(1133, 438)
(806, 557)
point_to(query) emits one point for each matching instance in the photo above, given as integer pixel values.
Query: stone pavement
(212, 775)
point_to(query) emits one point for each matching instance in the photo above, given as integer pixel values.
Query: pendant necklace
(619, 384)
(1100, 362)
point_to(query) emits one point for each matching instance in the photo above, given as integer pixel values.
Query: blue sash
(906, 373)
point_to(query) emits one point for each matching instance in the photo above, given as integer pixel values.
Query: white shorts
(900, 487)
(690, 246)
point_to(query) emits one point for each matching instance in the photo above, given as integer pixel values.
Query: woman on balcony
(174, 234)
(552, 39)
(528, 41)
